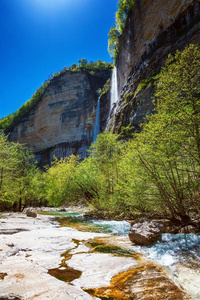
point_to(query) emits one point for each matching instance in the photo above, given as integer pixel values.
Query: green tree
(17, 168)
(59, 181)
(82, 62)
(124, 7)
(113, 42)
(106, 153)
(168, 146)
(178, 95)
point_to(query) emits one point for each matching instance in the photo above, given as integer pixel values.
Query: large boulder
(31, 214)
(145, 233)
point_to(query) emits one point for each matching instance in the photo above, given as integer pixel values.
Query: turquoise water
(78, 221)
(113, 227)
(173, 248)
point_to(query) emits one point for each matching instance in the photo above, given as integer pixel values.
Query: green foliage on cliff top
(7, 123)
(124, 7)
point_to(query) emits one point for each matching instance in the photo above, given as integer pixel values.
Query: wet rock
(31, 214)
(62, 210)
(10, 297)
(145, 233)
(188, 229)
(168, 226)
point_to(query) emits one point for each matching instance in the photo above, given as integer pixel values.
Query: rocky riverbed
(41, 260)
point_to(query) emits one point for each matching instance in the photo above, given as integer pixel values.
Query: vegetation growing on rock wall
(105, 88)
(145, 83)
(7, 123)
(113, 42)
(124, 7)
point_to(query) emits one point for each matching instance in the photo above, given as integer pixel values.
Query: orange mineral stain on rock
(2, 275)
(148, 281)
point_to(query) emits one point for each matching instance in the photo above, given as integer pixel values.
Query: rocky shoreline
(147, 229)
(30, 247)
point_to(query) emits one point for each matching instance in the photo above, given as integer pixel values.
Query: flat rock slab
(26, 257)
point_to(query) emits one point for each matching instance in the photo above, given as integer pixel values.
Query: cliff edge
(153, 30)
(62, 122)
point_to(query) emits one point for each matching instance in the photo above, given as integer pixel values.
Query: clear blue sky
(40, 37)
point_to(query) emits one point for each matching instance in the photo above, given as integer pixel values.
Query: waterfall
(114, 98)
(97, 121)
(114, 90)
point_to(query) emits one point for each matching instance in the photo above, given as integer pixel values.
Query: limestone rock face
(145, 233)
(153, 30)
(62, 122)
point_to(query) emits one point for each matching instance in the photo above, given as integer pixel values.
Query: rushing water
(97, 121)
(175, 248)
(171, 249)
(178, 253)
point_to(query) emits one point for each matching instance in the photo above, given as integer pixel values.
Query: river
(73, 258)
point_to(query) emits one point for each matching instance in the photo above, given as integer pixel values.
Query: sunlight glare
(52, 6)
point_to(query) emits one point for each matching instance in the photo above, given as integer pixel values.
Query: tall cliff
(153, 30)
(62, 122)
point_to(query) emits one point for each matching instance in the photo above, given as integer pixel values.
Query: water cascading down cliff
(97, 121)
(153, 30)
(114, 98)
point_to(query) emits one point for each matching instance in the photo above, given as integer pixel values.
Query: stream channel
(178, 254)
(65, 256)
